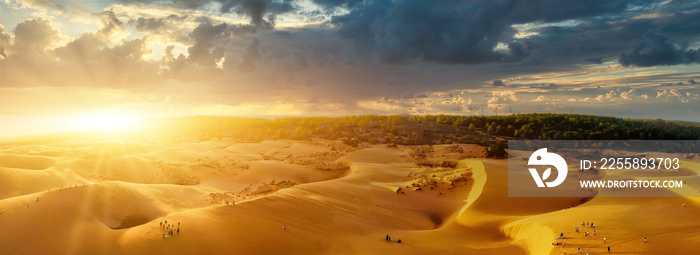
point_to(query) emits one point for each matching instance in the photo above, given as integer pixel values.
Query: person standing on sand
(605, 239)
(386, 238)
(284, 227)
(579, 249)
(608, 249)
(645, 239)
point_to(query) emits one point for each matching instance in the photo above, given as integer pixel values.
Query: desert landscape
(309, 127)
(146, 192)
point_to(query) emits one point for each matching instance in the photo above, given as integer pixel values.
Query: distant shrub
(495, 150)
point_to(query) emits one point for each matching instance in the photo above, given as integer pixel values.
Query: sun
(106, 120)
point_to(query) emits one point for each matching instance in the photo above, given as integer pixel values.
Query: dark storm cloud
(456, 31)
(152, 24)
(254, 9)
(498, 83)
(598, 39)
(337, 3)
(397, 81)
(594, 60)
(211, 42)
(469, 32)
(436, 31)
(251, 56)
(655, 50)
(527, 11)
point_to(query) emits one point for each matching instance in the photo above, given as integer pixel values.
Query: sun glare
(108, 120)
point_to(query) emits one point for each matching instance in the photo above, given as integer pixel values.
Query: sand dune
(441, 200)
(26, 161)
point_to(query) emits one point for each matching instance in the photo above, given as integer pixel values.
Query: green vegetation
(495, 150)
(573, 127)
(430, 129)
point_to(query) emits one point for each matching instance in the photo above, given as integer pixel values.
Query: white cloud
(500, 99)
(543, 99)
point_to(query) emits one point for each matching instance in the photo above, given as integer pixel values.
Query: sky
(67, 64)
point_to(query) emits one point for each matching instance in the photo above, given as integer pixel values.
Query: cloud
(253, 9)
(251, 56)
(41, 56)
(499, 99)
(337, 3)
(436, 31)
(231, 53)
(34, 37)
(656, 49)
(5, 42)
(256, 9)
(682, 96)
(556, 10)
(609, 97)
(466, 32)
(544, 99)
(599, 39)
(171, 28)
(208, 40)
(397, 81)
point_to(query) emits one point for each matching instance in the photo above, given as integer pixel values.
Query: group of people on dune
(585, 234)
(388, 238)
(170, 229)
